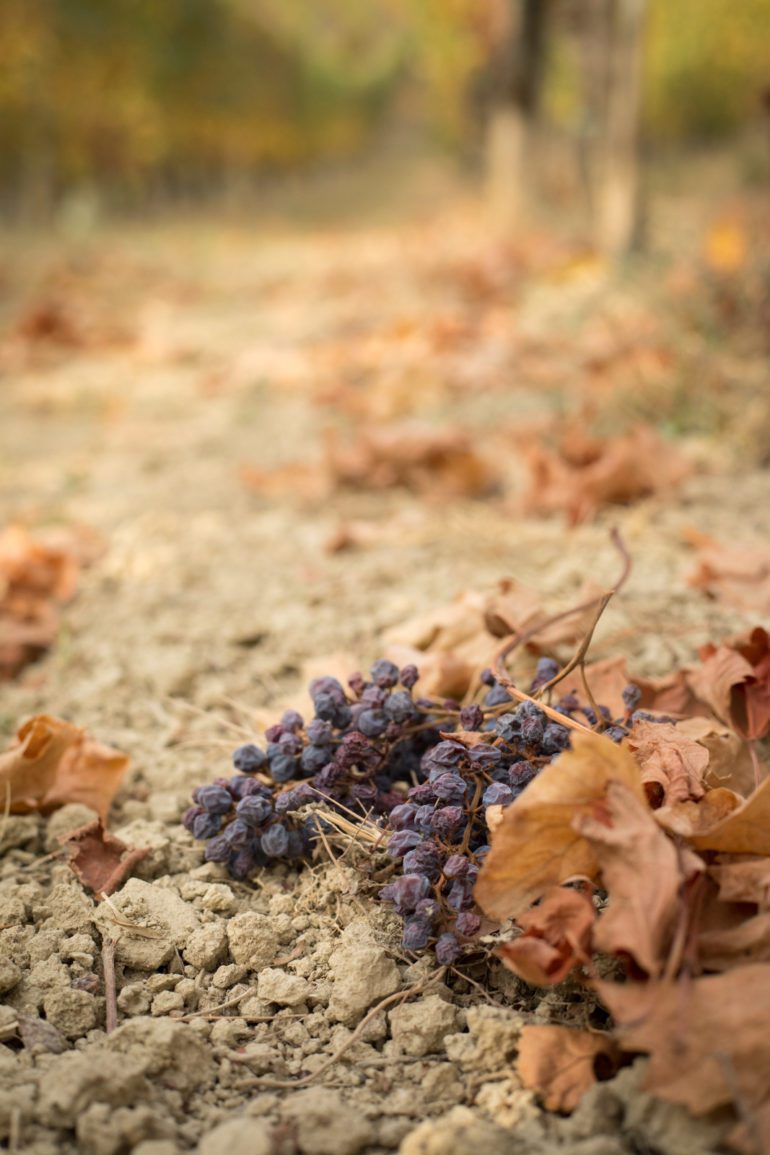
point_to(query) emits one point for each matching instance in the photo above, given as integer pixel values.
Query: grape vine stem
(598, 604)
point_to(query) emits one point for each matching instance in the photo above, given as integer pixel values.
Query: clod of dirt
(326, 1124)
(287, 990)
(421, 1027)
(64, 821)
(206, 947)
(490, 1042)
(238, 1136)
(362, 973)
(457, 1133)
(158, 910)
(251, 938)
(74, 1081)
(165, 1048)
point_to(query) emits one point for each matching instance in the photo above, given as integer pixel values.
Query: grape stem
(518, 639)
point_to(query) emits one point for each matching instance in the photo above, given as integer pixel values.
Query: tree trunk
(613, 69)
(517, 58)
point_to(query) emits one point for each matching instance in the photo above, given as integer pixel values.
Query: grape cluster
(425, 770)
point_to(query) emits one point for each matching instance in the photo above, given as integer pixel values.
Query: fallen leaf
(673, 764)
(687, 819)
(556, 937)
(560, 1064)
(536, 846)
(99, 859)
(737, 575)
(734, 680)
(746, 881)
(645, 876)
(730, 764)
(746, 942)
(745, 830)
(29, 767)
(608, 678)
(718, 1051)
(52, 763)
(579, 481)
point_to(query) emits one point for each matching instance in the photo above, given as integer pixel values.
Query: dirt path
(208, 597)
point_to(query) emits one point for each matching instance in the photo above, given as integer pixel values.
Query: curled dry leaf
(737, 575)
(556, 937)
(719, 1050)
(561, 1064)
(745, 830)
(99, 859)
(610, 676)
(734, 680)
(578, 479)
(744, 881)
(537, 845)
(673, 765)
(645, 875)
(52, 763)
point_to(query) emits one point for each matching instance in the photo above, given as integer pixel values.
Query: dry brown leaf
(609, 677)
(645, 875)
(536, 845)
(745, 881)
(37, 575)
(737, 575)
(673, 764)
(730, 764)
(708, 1039)
(99, 859)
(561, 1064)
(579, 481)
(734, 680)
(52, 763)
(746, 942)
(746, 830)
(686, 819)
(556, 937)
(29, 767)
(443, 674)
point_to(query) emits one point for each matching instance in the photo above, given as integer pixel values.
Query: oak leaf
(53, 762)
(537, 845)
(556, 937)
(561, 1064)
(708, 1040)
(645, 875)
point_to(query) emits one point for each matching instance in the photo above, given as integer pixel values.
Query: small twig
(110, 992)
(398, 997)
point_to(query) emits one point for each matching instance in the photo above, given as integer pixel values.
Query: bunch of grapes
(377, 752)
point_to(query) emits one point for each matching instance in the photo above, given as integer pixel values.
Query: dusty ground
(215, 347)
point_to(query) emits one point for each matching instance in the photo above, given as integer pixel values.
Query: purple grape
(374, 696)
(405, 892)
(217, 850)
(456, 866)
(240, 786)
(429, 908)
(408, 676)
(372, 723)
(447, 950)
(424, 859)
(521, 774)
(243, 864)
(487, 678)
(293, 721)
(446, 755)
(471, 717)
(206, 825)
(447, 822)
(384, 673)
(485, 758)
(400, 708)
(496, 696)
(546, 671)
(417, 933)
(497, 794)
(314, 758)
(450, 788)
(460, 893)
(249, 758)
(467, 924)
(508, 727)
(189, 816)
(357, 683)
(283, 767)
(403, 817)
(254, 810)
(239, 834)
(632, 696)
(615, 733)
(275, 841)
(555, 738)
(319, 733)
(214, 799)
(402, 842)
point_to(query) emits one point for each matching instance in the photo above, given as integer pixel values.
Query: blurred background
(135, 105)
